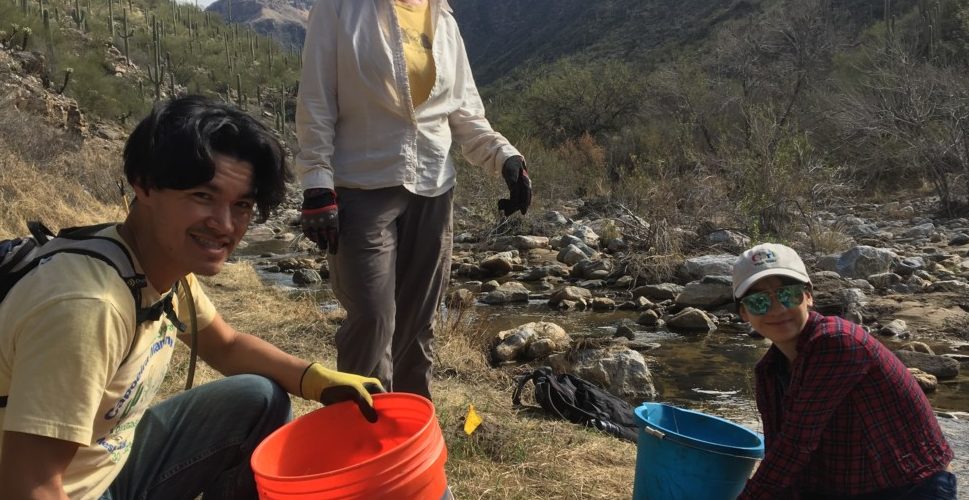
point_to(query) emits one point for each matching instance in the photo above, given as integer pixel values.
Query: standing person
(386, 87)
(843, 417)
(80, 363)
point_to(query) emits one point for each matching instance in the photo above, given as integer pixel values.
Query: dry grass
(517, 453)
(58, 201)
(53, 177)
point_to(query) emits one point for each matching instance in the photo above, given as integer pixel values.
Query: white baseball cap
(767, 259)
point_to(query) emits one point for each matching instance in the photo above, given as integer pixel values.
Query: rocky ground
(905, 278)
(893, 267)
(899, 271)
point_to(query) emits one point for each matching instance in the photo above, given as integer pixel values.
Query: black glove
(319, 218)
(519, 185)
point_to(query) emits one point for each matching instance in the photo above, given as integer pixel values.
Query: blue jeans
(200, 441)
(939, 486)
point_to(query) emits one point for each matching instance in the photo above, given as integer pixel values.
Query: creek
(707, 372)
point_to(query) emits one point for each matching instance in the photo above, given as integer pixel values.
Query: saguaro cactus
(154, 66)
(125, 35)
(78, 15)
(171, 74)
(67, 78)
(111, 18)
(48, 35)
(26, 32)
(239, 90)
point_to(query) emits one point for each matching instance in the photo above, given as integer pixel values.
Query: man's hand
(319, 218)
(330, 386)
(519, 185)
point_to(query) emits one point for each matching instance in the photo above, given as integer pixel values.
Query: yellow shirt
(75, 365)
(418, 38)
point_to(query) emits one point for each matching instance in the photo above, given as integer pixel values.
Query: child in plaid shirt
(843, 418)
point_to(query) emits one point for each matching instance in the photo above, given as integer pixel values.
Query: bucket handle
(653, 432)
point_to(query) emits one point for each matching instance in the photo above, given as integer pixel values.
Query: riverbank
(518, 453)
(514, 454)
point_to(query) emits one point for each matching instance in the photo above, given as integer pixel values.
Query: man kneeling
(79, 366)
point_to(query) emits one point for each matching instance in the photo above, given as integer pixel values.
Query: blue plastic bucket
(684, 454)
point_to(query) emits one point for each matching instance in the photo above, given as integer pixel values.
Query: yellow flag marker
(471, 421)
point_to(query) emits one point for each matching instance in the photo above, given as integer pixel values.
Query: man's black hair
(174, 146)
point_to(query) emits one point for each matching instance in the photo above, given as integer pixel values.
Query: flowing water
(706, 372)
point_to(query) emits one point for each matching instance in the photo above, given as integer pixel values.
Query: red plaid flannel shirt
(852, 419)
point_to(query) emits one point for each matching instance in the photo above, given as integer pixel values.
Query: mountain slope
(505, 35)
(284, 20)
(502, 35)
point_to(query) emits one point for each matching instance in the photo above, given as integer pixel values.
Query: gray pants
(390, 275)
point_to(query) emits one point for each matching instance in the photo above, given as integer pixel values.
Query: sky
(201, 3)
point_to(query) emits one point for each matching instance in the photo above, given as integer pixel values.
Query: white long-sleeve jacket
(355, 121)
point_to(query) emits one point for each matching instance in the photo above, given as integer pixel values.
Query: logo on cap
(761, 257)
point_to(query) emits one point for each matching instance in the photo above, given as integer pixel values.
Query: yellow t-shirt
(418, 38)
(65, 363)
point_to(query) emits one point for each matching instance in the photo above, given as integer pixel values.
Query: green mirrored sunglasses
(759, 303)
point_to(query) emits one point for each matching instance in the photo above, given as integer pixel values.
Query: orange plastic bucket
(333, 452)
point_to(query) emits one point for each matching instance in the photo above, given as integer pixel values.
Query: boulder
(696, 268)
(884, 281)
(926, 381)
(959, 239)
(918, 347)
(621, 371)
(603, 304)
(542, 272)
(942, 367)
(499, 264)
(511, 291)
(909, 265)
(637, 304)
(586, 234)
(951, 286)
(306, 277)
(515, 344)
(708, 293)
(571, 293)
(571, 255)
(662, 291)
(863, 261)
(921, 231)
(592, 268)
(648, 318)
(692, 320)
(555, 218)
(625, 329)
(731, 241)
(895, 328)
(522, 243)
(624, 282)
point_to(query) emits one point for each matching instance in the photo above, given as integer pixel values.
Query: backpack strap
(538, 376)
(84, 241)
(193, 332)
(516, 397)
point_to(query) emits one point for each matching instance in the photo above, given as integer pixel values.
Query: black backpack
(19, 256)
(581, 402)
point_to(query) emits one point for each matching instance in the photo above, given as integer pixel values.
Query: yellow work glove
(331, 386)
